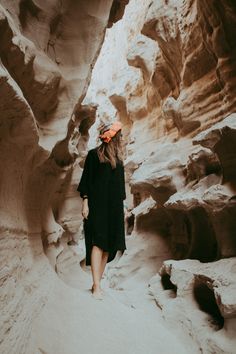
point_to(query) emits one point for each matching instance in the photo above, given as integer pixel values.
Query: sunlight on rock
(166, 70)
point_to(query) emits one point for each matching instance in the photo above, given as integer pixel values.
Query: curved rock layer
(167, 71)
(47, 52)
(174, 90)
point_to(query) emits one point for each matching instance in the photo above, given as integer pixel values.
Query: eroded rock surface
(175, 93)
(167, 71)
(47, 52)
(201, 296)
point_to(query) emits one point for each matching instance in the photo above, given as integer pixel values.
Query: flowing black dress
(105, 188)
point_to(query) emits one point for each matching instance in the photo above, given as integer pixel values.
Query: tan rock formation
(47, 52)
(177, 100)
(167, 71)
(201, 296)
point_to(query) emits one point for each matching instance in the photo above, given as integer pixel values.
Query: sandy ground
(73, 322)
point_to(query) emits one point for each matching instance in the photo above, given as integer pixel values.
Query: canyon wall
(174, 90)
(47, 52)
(167, 71)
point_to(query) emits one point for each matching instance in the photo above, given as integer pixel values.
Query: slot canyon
(166, 69)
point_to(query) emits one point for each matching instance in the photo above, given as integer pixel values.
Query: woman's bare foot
(101, 290)
(97, 292)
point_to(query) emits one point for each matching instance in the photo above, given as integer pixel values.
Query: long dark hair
(111, 152)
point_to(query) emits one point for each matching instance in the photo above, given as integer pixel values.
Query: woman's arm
(83, 186)
(85, 208)
(123, 183)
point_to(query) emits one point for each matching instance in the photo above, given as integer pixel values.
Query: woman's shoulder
(92, 151)
(92, 154)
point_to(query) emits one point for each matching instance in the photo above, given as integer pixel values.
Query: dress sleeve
(123, 183)
(84, 184)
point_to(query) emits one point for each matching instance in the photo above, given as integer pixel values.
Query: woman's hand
(85, 209)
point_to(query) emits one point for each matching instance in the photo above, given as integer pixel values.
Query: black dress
(105, 188)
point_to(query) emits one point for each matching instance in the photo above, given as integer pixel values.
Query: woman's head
(109, 131)
(111, 148)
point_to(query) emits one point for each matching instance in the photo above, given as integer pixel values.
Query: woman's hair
(111, 152)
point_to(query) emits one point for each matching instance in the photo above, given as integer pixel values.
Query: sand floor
(126, 321)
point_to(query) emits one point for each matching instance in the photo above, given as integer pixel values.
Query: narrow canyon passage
(127, 320)
(165, 71)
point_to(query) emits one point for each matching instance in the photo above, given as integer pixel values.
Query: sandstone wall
(167, 72)
(174, 90)
(47, 52)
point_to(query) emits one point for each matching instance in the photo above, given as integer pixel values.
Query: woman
(102, 187)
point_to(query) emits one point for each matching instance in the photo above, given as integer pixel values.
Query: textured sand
(74, 322)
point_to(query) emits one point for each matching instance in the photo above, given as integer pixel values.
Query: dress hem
(111, 256)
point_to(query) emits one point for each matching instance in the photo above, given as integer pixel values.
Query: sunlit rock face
(167, 71)
(202, 297)
(47, 52)
(195, 81)
(174, 90)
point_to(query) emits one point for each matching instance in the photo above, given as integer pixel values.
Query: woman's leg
(96, 262)
(104, 262)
